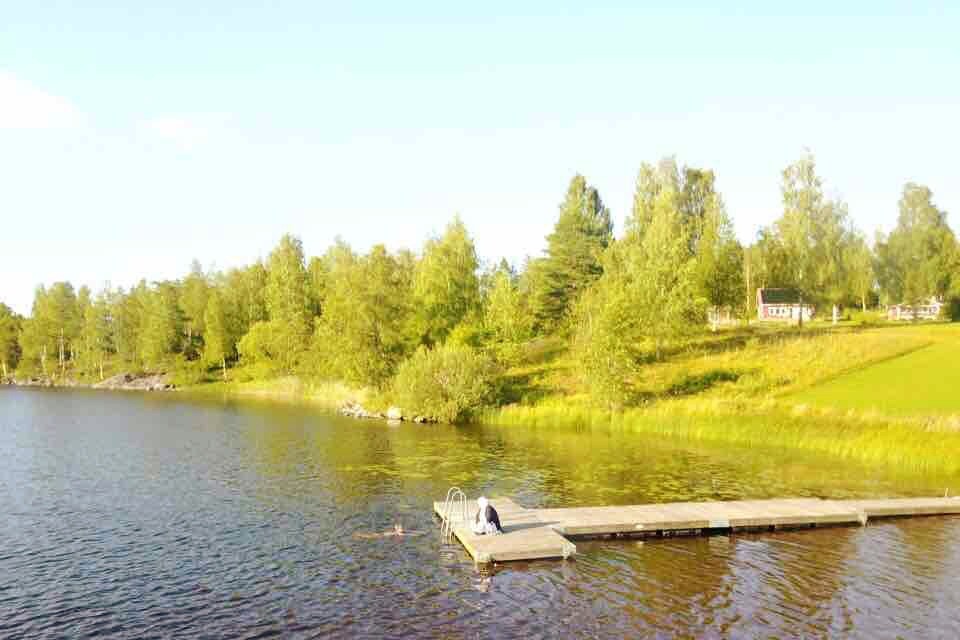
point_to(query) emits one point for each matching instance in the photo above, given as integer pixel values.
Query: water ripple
(130, 516)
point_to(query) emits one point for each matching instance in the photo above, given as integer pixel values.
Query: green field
(924, 382)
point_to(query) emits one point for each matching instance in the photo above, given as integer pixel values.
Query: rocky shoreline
(160, 382)
(393, 414)
(119, 382)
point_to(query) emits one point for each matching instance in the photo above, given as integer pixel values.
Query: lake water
(136, 516)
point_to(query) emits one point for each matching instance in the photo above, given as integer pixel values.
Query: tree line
(360, 317)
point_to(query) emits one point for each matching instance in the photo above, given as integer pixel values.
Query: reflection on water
(132, 515)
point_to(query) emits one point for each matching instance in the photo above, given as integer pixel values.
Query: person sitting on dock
(487, 520)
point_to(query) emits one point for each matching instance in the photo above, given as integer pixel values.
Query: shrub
(263, 370)
(259, 344)
(447, 383)
(186, 373)
(953, 312)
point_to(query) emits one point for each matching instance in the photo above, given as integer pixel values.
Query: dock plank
(525, 535)
(539, 533)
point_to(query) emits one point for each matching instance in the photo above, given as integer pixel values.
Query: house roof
(779, 296)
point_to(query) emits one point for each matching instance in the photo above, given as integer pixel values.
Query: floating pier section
(531, 534)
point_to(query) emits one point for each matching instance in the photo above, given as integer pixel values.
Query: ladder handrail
(455, 505)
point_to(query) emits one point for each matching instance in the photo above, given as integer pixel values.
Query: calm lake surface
(135, 516)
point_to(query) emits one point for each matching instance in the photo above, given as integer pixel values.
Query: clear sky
(135, 139)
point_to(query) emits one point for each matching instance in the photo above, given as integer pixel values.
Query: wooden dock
(531, 534)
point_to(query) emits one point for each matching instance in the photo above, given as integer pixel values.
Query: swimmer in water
(397, 532)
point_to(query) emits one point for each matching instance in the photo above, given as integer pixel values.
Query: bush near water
(448, 383)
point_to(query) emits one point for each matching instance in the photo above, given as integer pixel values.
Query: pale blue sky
(133, 140)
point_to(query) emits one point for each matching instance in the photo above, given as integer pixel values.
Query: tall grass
(736, 388)
(930, 446)
(323, 393)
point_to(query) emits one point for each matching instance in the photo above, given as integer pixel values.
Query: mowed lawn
(924, 382)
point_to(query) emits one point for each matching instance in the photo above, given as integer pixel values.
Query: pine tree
(582, 232)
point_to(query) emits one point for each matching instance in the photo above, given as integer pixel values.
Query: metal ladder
(454, 513)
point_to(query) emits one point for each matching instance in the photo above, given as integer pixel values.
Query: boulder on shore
(129, 381)
(394, 413)
(356, 410)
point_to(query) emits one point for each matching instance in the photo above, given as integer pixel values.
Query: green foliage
(446, 288)
(572, 263)
(812, 236)
(718, 273)
(718, 255)
(186, 373)
(860, 270)
(218, 343)
(51, 332)
(364, 331)
(507, 317)
(448, 383)
(651, 182)
(317, 277)
(918, 260)
(9, 344)
(260, 344)
(95, 337)
(127, 312)
(243, 296)
(648, 292)
(288, 301)
(603, 345)
(658, 275)
(193, 303)
(161, 327)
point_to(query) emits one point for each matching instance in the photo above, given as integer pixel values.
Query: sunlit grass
(930, 446)
(924, 382)
(323, 393)
(743, 386)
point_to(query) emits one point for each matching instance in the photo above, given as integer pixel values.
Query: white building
(928, 310)
(782, 305)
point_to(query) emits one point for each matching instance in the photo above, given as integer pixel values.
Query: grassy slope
(924, 382)
(741, 387)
